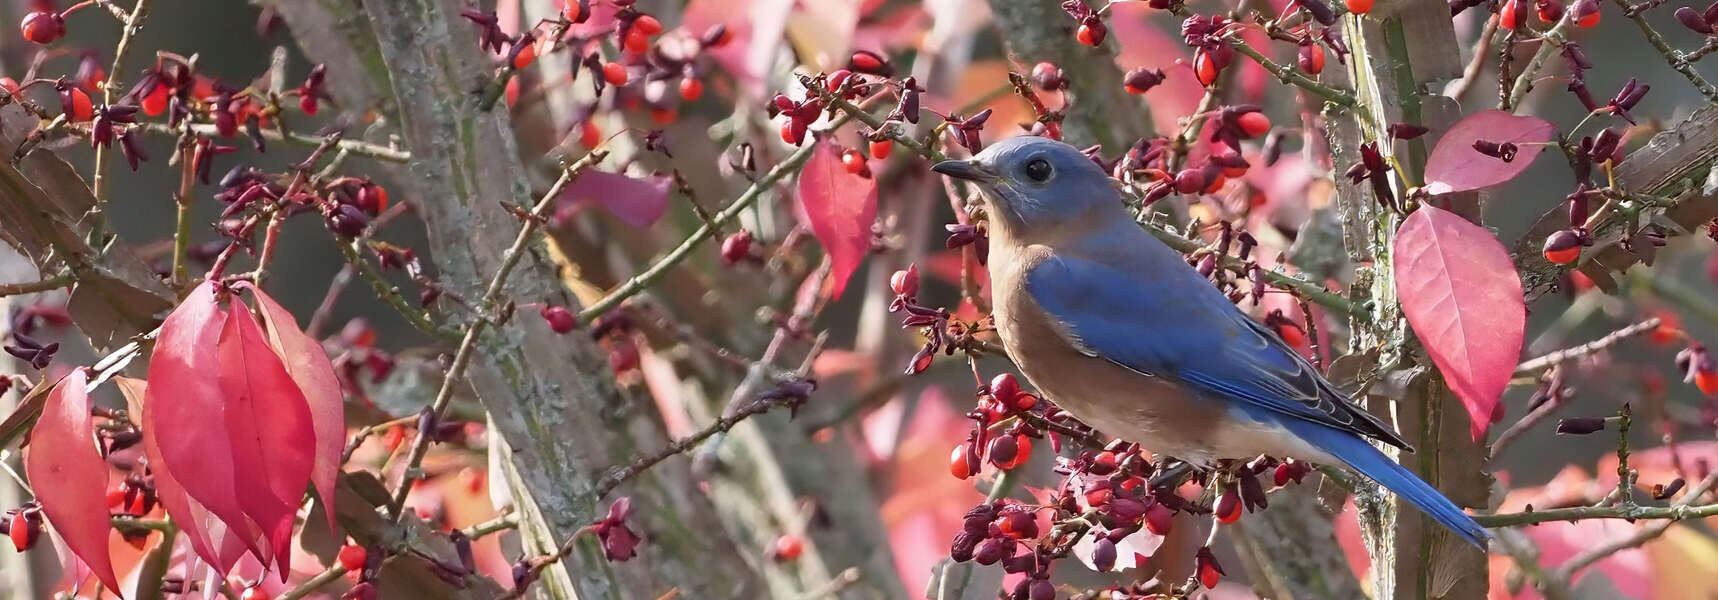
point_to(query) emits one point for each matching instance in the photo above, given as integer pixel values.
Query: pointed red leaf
(269, 423)
(635, 201)
(187, 514)
(1460, 292)
(309, 366)
(69, 476)
(841, 207)
(185, 409)
(1455, 166)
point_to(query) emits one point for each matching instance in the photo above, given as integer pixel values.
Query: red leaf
(187, 513)
(1461, 294)
(1456, 167)
(184, 399)
(70, 477)
(840, 207)
(638, 202)
(308, 364)
(269, 423)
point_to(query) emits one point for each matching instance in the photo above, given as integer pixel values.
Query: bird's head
(1035, 183)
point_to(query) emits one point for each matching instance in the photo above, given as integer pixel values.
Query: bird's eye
(1038, 170)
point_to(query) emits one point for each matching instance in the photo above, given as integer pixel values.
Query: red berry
(1588, 20)
(647, 24)
(736, 247)
(589, 135)
(1090, 34)
(1563, 256)
(9, 84)
(1669, 328)
(1209, 576)
(1204, 68)
(1254, 124)
(43, 27)
(615, 73)
(1707, 381)
(574, 10)
(527, 53)
(662, 116)
(308, 103)
(1005, 388)
(511, 91)
(82, 109)
(866, 61)
(1359, 7)
(623, 357)
(717, 36)
(957, 465)
(1190, 181)
(691, 88)
(1311, 58)
(787, 134)
(787, 547)
(636, 41)
(254, 593)
(396, 435)
(560, 319)
(1291, 335)
(853, 160)
(905, 282)
(1508, 17)
(352, 557)
(1229, 506)
(880, 149)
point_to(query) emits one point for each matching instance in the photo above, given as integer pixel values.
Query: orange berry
(511, 91)
(1216, 184)
(1204, 68)
(647, 24)
(573, 10)
(1359, 7)
(957, 465)
(1229, 506)
(636, 42)
(787, 547)
(1563, 256)
(691, 88)
(1589, 20)
(880, 149)
(853, 160)
(615, 73)
(1208, 576)
(1707, 381)
(1669, 328)
(254, 593)
(352, 557)
(526, 54)
(1254, 124)
(1312, 58)
(1090, 35)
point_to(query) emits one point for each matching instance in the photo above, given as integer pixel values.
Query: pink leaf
(840, 207)
(69, 475)
(1455, 166)
(187, 513)
(184, 399)
(270, 427)
(635, 201)
(1461, 294)
(308, 364)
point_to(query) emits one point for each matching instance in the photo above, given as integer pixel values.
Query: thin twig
(1290, 75)
(314, 583)
(1481, 51)
(98, 188)
(491, 299)
(182, 202)
(644, 279)
(1552, 359)
(31, 287)
(1677, 61)
(353, 147)
(1568, 570)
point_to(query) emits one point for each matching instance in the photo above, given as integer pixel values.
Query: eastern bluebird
(1117, 329)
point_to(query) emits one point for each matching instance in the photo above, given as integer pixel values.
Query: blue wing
(1165, 320)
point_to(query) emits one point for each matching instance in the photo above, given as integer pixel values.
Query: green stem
(98, 218)
(1291, 76)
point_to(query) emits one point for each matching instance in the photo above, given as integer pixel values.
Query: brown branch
(131, 24)
(1581, 561)
(1567, 354)
(1678, 62)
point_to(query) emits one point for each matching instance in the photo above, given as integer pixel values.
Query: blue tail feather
(1363, 457)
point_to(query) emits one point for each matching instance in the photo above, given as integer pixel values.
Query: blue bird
(1116, 328)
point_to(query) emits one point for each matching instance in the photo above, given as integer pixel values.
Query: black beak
(964, 169)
